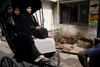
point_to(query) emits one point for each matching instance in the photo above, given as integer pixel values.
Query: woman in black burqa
(30, 53)
(33, 25)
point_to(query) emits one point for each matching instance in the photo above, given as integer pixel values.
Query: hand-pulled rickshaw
(52, 54)
(45, 46)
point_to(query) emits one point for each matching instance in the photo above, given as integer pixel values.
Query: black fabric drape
(25, 48)
(20, 25)
(23, 41)
(35, 4)
(32, 23)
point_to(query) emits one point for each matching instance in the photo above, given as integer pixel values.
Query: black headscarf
(30, 19)
(20, 24)
(36, 4)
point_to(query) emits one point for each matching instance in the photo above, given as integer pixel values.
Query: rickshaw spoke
(24, 65)
(8, 62)
(2, 65)
(8, 65)
(55, 59)
(53, 63)
(11, 64)
(5, 63)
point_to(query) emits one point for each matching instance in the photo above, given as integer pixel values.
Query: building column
(57, 13)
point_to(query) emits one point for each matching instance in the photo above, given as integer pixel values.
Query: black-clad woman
(31, 54)
(36, 30)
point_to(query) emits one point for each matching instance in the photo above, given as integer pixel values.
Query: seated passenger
(36, 30)
(25, 37)
(20, 23)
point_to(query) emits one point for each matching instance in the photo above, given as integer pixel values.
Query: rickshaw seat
(46, 45)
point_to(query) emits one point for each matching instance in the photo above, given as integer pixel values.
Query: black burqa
(32, 23)
(24, 40)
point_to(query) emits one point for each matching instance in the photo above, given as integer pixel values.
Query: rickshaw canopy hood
(35, 4)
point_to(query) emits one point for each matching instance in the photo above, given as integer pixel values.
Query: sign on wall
(94, 12)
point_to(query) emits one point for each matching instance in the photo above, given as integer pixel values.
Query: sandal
(44, 59)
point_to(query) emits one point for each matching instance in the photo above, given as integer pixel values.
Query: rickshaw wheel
(7, 62)
(55, 61)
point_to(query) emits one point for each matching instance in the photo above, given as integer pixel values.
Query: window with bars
(74, 13)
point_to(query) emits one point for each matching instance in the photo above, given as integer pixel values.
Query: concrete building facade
(73, 16)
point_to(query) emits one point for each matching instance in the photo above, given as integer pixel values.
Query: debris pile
(74, 43)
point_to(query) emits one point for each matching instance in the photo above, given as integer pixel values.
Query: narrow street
(73, 24)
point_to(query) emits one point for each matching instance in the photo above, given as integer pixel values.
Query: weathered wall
(89, 32)
(94, 9)
(50, 16)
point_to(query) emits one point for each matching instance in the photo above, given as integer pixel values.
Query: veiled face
(10, 10)
(17, 11)
(28, 9)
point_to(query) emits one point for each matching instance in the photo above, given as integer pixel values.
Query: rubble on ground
(84, 44)
(77, 48)
(66, 47)
(74, 43)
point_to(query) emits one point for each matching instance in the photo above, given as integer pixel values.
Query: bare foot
(44, 59)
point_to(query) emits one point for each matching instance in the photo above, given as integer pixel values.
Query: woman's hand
(41, 27)
(33, 37)
(38, 27)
